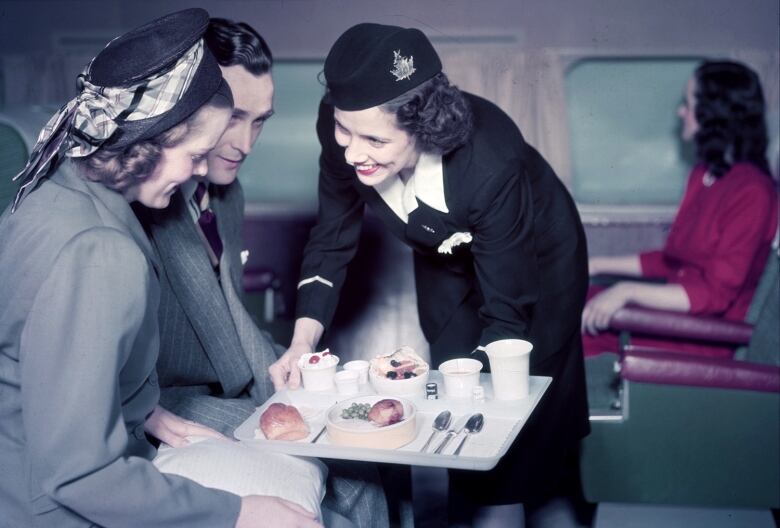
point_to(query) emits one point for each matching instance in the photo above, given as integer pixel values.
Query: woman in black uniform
(499, 250)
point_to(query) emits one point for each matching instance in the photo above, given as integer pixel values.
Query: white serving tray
(503, 422)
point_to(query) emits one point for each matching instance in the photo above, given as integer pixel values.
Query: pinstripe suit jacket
(214, 361)
(211, 352)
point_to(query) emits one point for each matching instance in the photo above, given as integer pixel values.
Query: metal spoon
(473, 426)
(454, 430)
(440, 423)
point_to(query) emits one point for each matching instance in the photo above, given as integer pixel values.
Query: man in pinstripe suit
(213, 364)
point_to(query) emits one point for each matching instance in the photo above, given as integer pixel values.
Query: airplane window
(283, 166)
(13, 155)
(624, 130)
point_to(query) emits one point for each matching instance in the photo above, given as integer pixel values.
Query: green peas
(356, 411)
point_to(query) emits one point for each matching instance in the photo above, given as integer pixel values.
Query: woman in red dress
(722, 234)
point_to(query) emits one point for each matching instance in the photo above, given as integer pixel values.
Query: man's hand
(260, 511)
(285, 372)
(174, 430)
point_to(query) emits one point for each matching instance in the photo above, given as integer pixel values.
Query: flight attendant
(499, 249)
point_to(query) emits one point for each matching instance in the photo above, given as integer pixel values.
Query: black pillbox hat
(371, 64)
(150, 50)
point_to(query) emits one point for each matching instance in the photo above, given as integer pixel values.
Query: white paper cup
(347, 382)
(361, 367)
(461, 375)
(317, 377)
(509, 359)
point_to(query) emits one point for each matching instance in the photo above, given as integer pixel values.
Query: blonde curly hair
(119, 169)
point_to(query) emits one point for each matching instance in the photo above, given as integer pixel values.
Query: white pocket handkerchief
(455, 240)
(244, 257)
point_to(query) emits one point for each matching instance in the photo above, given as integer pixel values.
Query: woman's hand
(285, 373)
(600, 309)
(174, 430)
(260, 511)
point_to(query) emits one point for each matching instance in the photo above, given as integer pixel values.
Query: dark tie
(208, 220)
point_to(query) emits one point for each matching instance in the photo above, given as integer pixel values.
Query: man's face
(253, 96)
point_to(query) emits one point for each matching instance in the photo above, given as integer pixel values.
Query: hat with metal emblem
(371, 64)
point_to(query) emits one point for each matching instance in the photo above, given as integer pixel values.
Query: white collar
(425, 184)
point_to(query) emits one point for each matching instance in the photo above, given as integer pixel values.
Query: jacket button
(138, 431)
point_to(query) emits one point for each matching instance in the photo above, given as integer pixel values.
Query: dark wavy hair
(237, 43)
(730, 112)
(435, 113)
(119, 169)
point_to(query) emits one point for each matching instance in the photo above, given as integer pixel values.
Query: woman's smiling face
(374, 144)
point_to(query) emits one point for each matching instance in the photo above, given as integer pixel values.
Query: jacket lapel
(192, 279)
(426, 226)
(257, 347)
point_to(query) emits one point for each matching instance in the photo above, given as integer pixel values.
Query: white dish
(347, 382)
(414, 386)
(361, 367)
(362, 433)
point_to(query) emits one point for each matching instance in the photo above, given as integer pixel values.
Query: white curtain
(528, 85)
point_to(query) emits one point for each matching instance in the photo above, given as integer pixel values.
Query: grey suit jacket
(213, 359)
(78, 346)
(212, 355)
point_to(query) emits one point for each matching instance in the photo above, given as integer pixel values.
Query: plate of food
(283, 422)
(402, 373)
(294, 416)
(374, 421)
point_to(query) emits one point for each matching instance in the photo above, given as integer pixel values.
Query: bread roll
(283, 422)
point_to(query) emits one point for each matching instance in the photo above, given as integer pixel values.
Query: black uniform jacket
(523, 274)
(527, 260)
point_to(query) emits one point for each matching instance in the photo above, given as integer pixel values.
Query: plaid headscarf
(81, 126)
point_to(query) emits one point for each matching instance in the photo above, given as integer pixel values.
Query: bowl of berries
(402, 373)
(318, 370)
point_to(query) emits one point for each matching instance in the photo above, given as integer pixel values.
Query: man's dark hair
(236, 43)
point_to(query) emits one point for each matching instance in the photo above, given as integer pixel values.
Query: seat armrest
(665, 323)
(609, 279)
(259, 280)
(647, 365)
